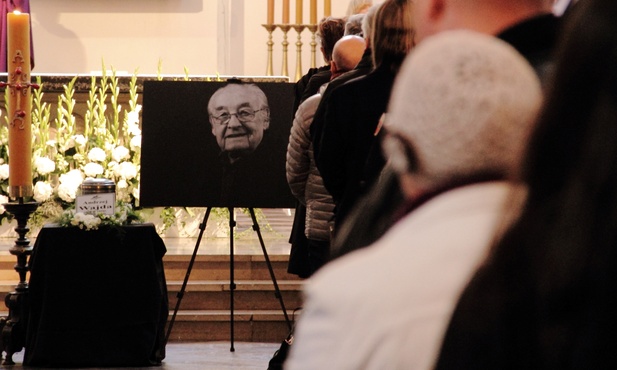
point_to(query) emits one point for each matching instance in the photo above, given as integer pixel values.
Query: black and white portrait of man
(216, 144)
(239, 114)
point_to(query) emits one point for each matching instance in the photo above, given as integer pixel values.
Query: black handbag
(279, 357)
(276, 362)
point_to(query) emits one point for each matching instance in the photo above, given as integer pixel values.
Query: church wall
(203, 36)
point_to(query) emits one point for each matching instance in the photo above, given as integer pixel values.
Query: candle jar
(97, 186)
(97, 196)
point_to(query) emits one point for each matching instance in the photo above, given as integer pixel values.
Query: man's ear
(436, 9)
(333, 67)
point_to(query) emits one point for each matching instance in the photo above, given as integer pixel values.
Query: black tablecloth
(97, 298)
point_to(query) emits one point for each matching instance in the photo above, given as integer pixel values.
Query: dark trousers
(318, 253)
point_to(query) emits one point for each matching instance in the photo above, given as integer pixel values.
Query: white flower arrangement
(106, 145)
(123, 215)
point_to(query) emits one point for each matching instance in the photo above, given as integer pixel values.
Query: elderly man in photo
(250, 168)
(239, 115)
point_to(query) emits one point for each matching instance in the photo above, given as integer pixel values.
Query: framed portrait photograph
(215, 144)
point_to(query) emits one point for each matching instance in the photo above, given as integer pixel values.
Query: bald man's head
(348, 52)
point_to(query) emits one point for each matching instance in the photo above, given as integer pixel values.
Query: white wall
(205, 36)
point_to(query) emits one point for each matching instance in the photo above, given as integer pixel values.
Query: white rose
(93, 169)
(3, 199)
(44, 165)
(97, 155)
(69, 183)
(136, 142)
(122, 184)
(67, 192)
(4, 171)
(89, 222)
(73, 178)
(42, 191)
(126, 170)
(119, 153)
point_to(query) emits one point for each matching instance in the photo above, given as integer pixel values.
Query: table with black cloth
(97, 298)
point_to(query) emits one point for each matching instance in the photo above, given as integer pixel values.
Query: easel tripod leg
(277, 291)
(232, 284)
(180, 295)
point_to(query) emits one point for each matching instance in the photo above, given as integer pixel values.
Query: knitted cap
(465, 102)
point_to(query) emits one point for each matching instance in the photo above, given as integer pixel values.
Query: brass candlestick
(270, 28)
(299, 28)
(313, 29)
(285, 28)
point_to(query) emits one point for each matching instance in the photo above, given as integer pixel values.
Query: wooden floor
(200, 356)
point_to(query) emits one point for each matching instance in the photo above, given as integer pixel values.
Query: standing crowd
(454, 170)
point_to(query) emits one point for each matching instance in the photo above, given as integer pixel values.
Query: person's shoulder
(355, 265)
(343, 278)
(312, 71)
(537, 33)
(307, 109)
(357, 83)
(347, 88)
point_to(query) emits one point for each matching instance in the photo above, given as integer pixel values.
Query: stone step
(215, 295)
(204, 313)
(258, 316)
(7, 270)
(249, 326)
(217, 267)
(248, 295)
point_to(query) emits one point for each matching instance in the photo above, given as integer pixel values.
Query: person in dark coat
(528, 25)
(302, 175)
(353, 110)
(330, 30)
(365, 66)
(544, 297)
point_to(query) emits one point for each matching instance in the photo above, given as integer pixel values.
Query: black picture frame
(182, 164)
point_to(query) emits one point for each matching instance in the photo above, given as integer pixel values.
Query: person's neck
(336, 74)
